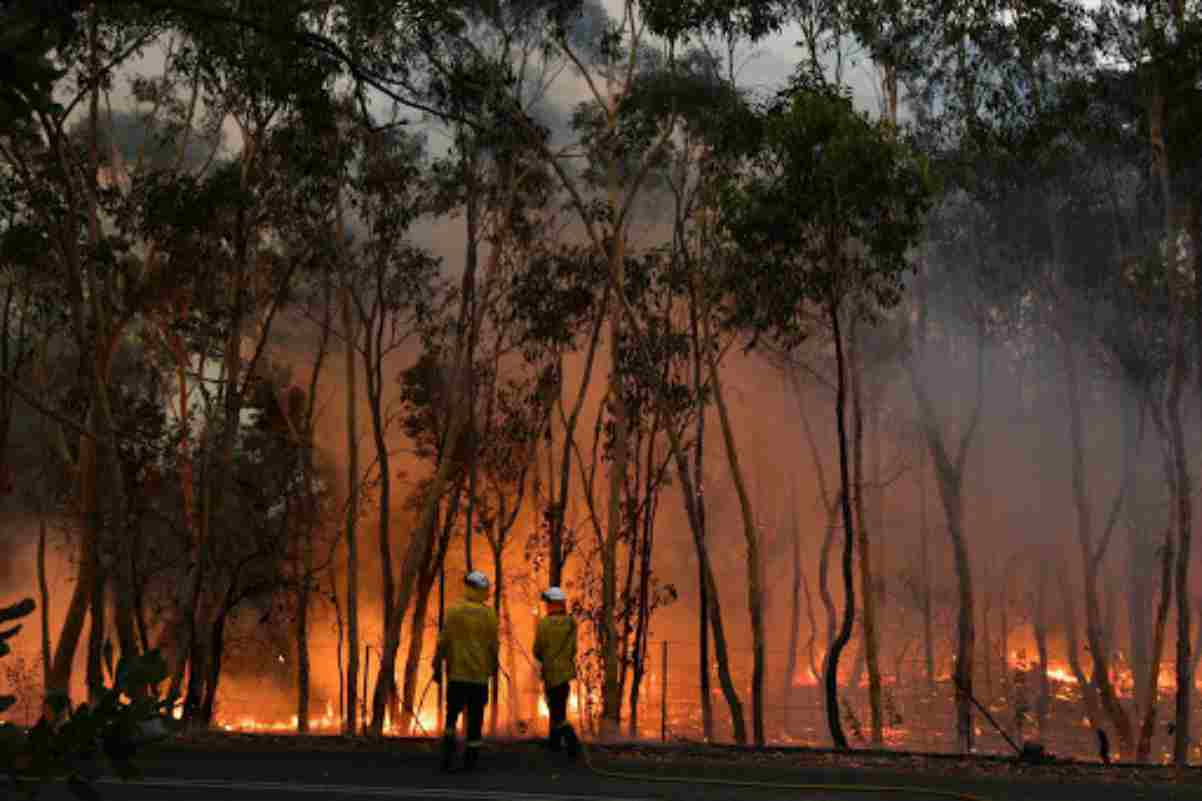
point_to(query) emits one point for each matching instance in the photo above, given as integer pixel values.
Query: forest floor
(231, 766)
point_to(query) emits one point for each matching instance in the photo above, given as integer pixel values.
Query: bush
(64, 743)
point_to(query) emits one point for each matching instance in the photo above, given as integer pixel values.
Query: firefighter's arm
(538, 643)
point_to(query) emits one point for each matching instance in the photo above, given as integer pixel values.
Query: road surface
(529, 774)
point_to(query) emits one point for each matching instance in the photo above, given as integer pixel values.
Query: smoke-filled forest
(853, 400)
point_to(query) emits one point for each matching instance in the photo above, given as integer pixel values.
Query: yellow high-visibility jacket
(555, 649)
(468, 641)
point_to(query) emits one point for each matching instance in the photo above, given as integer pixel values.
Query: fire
(1062, 675)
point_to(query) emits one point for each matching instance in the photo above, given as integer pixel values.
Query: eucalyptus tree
(823, 222)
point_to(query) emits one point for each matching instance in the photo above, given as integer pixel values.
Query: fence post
(663, 692)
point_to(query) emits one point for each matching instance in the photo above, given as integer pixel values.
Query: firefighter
(555, 649)
(469, 647)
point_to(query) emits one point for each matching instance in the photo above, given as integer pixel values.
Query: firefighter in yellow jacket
(555, 649)
(469, 647)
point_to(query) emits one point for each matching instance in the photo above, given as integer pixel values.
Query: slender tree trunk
(1149, 691)
(417, 644)
(350, 726)
(96, 639)
(216, 655)
(611, 700)
(831, 669)
(755, 596)
(794, 606)
(385, 688)
(1091, 557)
(868, 630)
(431, 569)
(1043, 698)
(44, 600)
(924, 537)
(1089, 690)
(341, 628)
(1184, 518)
(703, 655)
(302, 648)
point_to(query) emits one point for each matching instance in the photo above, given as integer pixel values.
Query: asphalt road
(528, 774)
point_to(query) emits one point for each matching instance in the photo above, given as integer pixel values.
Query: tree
(830, 209)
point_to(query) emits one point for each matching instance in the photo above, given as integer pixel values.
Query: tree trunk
(949, 471)
(703, 654)
(1149, 691)
(341, 644)
(831, 668)
(1040, 624)
(794, 606)
(44, 600)
(385, 688)
(431, 569)
(1184, 519)
(302, 652)
(868, 630)
(1089, 690)
(352, 519)
(1091, 556)
(216, 653)
(755, 596)
(924, 536)
(417, 644)
(96, 639)
(611, 700)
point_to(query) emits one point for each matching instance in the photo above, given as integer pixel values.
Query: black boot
(569, 734)
(448, 754)
(471, 755)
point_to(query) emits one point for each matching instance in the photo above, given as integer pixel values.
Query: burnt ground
(231, 767)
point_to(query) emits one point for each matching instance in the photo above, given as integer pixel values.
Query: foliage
(125, 717)
(829, 210)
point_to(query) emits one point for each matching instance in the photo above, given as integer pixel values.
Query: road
(529, 774)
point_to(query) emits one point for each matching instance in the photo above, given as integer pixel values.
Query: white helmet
(476, 579)
(554, 594)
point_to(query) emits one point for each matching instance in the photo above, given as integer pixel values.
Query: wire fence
(258, 691)
(918, 714)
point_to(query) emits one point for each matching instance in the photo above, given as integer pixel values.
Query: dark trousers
(557, 704)
(463, 695)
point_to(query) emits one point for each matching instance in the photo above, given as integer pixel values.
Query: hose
(804, 788)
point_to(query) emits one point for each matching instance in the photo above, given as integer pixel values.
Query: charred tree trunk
(831, 669)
